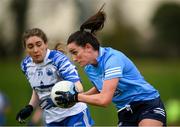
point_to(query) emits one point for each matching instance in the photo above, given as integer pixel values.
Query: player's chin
(82, 64)
(38, 60)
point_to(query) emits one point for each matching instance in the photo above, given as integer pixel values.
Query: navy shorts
(133, 113)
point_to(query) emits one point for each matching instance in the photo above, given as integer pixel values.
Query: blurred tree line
(165, 41)
(18, 8)
(166, 22)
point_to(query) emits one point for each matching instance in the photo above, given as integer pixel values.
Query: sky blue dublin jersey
(114, 64)
(42, 77)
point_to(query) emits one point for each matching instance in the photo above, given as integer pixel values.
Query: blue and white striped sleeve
(66, 69)
(113, 67)
(24, 65)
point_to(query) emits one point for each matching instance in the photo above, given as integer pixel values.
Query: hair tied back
(95, 22)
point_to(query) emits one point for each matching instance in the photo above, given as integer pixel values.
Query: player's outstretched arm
(104, 97)
(91, 91)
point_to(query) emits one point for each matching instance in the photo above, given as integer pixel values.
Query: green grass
(164, 75)
(14, 84)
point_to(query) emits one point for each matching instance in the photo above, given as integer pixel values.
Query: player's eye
(74, 52)
(30, 46)
(39, 43)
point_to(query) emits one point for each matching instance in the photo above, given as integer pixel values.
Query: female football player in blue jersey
(43, 68)
(114, 77)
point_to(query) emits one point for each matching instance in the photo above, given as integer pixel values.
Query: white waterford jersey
(42, 77)
(131, 87)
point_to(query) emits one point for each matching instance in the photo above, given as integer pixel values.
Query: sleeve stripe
(111, 74)
(113, 71)
(65, 68)
(115, 68)
(72, 77)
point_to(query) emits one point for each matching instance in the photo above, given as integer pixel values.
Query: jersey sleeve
(24, 66)
(66, 69)
(113, 67)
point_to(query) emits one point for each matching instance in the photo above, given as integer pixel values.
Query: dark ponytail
(95, 22)
(88, 29)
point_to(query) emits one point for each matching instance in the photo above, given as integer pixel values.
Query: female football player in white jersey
(114, 77)
(43, 68)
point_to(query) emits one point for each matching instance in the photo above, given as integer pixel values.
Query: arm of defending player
(79, 87)
(46, 103)
(25, 112)
(34, 99)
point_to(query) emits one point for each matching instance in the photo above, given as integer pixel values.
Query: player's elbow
(104, 102)
(105, 105)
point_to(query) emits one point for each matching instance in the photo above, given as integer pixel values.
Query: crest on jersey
(49, 71)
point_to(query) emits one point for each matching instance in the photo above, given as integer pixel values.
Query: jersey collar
(46, 60)
(101, 53)
(47, 55)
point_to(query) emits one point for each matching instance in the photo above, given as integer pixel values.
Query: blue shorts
(82, 119)
(133, 113)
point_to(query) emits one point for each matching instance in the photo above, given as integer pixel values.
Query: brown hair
(60, 47)
(34, 32)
